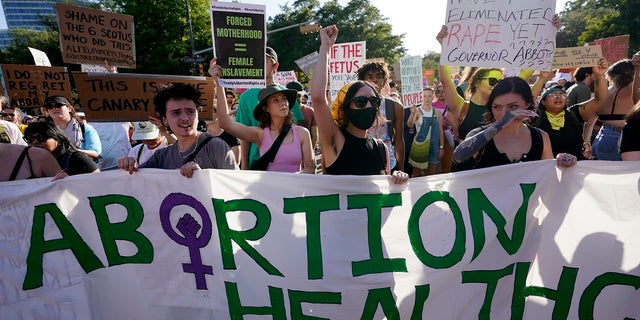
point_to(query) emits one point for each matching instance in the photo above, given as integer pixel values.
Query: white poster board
(499, 34)
(411, 78)
(344, 61)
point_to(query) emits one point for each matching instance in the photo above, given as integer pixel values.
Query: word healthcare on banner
(500, 34)
(239, 41)
(520, 241)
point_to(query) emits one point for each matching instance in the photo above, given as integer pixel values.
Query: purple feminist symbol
(189, 227)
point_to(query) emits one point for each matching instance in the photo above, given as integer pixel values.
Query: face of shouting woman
(182, 117)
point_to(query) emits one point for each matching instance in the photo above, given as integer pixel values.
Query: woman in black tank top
(508, 139)
(342, 127)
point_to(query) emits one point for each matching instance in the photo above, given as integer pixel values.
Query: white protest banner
(499, 34)
(344, 61)
(573, 57)
(40, 57)
(239, 43)
(523, 241)
(411, 79)
(284, 77)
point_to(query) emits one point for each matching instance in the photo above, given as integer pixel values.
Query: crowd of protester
(478, 119)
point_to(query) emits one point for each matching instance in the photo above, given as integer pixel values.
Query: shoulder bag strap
(198, 148)
(271, 153)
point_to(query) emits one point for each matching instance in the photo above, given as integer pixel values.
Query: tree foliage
(357, 21)
(584, 21)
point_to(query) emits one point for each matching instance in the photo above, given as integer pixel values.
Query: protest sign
(411, 79)
(28, 86)
(40, 57)
(499, 34)
(614, 48)
(307, 63)
(284, 77)
(129, 96)
(94, 36)
(344, 61)
(239, 41)
(585, 56)
(524, 241)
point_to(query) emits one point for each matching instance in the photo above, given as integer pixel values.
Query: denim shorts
(606, 145)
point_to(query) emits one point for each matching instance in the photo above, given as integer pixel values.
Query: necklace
(189, 151)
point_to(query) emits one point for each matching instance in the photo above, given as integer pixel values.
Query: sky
(419, 20)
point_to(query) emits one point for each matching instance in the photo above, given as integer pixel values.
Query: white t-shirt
(146, 152)
(13, 132)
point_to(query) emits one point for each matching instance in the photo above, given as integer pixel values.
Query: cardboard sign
(499, 34)
(129, 97)
(614, 48)
(28, 86)
(574, 57)
(239, 38)
(93, 36)
(411, 78)
(344, 61)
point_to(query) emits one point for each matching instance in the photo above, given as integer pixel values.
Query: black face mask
(362, 118)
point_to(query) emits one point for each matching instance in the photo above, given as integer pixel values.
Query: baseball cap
(144, 130)
(552, 89)
(295, 85)
(272, 53)
(56, 99)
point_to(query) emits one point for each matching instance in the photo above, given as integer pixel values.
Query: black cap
(272, 53)
(294, 85)
(56, 99)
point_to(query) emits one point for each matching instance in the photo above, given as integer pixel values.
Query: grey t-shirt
(216, 154)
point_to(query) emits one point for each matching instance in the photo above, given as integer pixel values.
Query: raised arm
(589, 109)
(454, 100)
(327, 129)
(636, 77)
(544, 76)
(239, 130)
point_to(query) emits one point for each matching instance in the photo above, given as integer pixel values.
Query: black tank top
(358, 157)
(612, 116)
(491, 157)
(16, 167)
(472, 120)
(567, 139)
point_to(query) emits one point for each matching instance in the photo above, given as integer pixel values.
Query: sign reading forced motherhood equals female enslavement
(509, 34)
(239, 41)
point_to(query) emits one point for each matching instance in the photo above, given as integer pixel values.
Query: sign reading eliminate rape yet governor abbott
(239, 39)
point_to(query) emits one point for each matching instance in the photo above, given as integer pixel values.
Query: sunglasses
(557, 95)
(361, 101)
(53, 105)
(35, 138)
(8, 114)
(492, 81)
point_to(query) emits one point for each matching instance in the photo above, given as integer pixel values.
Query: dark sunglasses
(53, 105)
(8, 114)
(361, 101)
(35, 138)
(492, 81)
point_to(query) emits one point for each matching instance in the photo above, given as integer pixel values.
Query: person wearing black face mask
(346, 147)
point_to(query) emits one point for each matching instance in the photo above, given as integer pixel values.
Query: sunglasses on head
(35, 138)
(361, 101)
(8, 114)
(492, 81)
(53, 105)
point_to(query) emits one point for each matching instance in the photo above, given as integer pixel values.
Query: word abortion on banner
(284, 77)
(344, 61)
(307, 63)
(574, 57)
(499, 34)
(510, 242)
(239, 43)
(615, 48)
(29, 86)
(93, 36)
(129, 96)
(411, 79)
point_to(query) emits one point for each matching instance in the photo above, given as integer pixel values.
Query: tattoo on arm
(474, 144)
